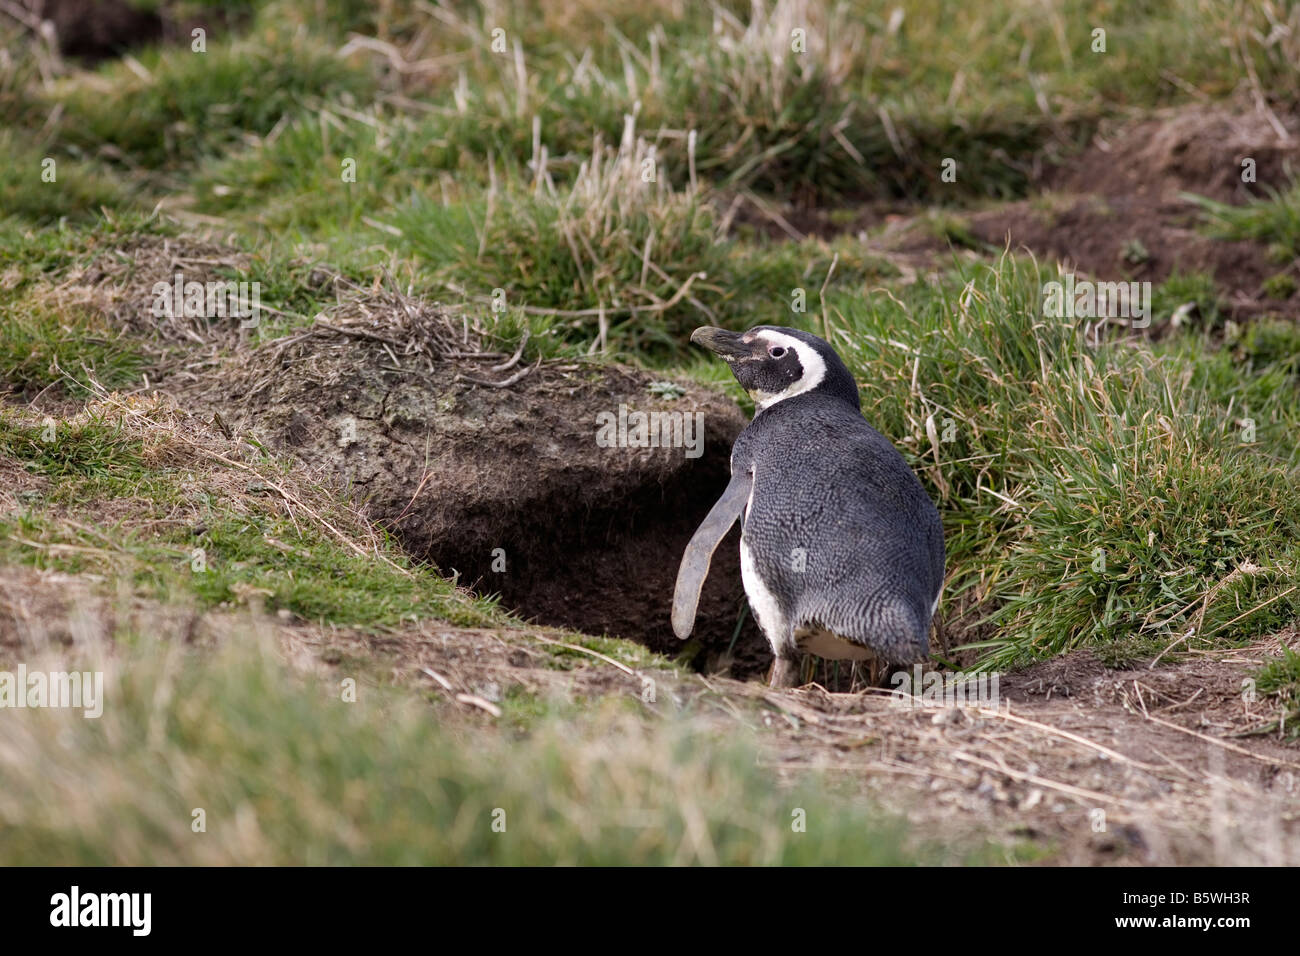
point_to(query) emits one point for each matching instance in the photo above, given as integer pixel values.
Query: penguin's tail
(902, 632)
(889, 625)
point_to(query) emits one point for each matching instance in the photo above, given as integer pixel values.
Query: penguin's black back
(826, 482)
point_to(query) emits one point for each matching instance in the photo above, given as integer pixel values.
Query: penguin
(841, 549)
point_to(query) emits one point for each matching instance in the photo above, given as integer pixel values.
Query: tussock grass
(769, 96)
(620, 260)
(1091, 492)
(190, 105)
(594, 246)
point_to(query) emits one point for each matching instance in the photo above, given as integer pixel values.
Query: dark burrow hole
(93, 31)
(611, 569)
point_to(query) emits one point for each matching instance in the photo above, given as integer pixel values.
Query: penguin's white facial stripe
(814, 368)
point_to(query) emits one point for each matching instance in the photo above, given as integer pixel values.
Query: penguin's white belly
(817, 640)
(767, 611)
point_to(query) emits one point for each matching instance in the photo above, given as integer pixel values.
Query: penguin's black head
(773, 364)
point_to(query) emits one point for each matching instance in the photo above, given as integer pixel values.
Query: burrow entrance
(495, 472)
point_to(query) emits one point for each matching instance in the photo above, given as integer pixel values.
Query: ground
(359, 574)
(1151, 766)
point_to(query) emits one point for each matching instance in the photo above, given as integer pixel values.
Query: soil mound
(498, 469)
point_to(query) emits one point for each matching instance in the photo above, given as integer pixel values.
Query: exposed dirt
(96, 30)
(19, 487)
(1197, 149)
(490, 467)
(1113, 211)
(1086, 764)
(46, 611)
(1140, 237)
(1141, 767)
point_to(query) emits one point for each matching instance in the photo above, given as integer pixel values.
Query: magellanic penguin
(841, 549)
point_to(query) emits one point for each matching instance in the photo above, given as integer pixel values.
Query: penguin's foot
(785, 673)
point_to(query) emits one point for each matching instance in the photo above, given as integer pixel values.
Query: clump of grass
(954, 230)
(1280, 286)
(1181, 290)
(42, 345)
(1269, 344)
(622, 259)
(1275, 220)
(38, 252)
(286, 772)
(78, 190)
(77, 450)
(1090, 492)
(1280, 678)
(619, 241)
(190, 105)
(770, 100)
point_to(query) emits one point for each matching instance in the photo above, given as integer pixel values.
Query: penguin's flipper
(695, 562)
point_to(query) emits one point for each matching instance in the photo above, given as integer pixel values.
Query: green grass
(599, 245)
(653, 258)
(1089, 494)
(871, 105)
(44, 186)
(1182, 289)
(90, 450)
(217, 540)
(42, 345)
(872, 108)
(321, 580)
(38, 252)
(288, 772)
(1274, 221)
(1107, 495)
(234, 560)
(1270, 346)
(193, 105)
(1280, 286)
(1280, 678)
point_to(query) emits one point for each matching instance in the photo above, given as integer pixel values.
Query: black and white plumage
(841, 550)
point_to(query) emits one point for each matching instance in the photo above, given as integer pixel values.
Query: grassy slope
(1059, 453)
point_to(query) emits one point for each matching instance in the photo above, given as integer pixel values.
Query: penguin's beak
(726, 344)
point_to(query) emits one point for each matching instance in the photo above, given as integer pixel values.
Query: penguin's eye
(776, 351)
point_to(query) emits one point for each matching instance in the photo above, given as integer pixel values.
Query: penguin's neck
(838, 384)
(804, 400)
